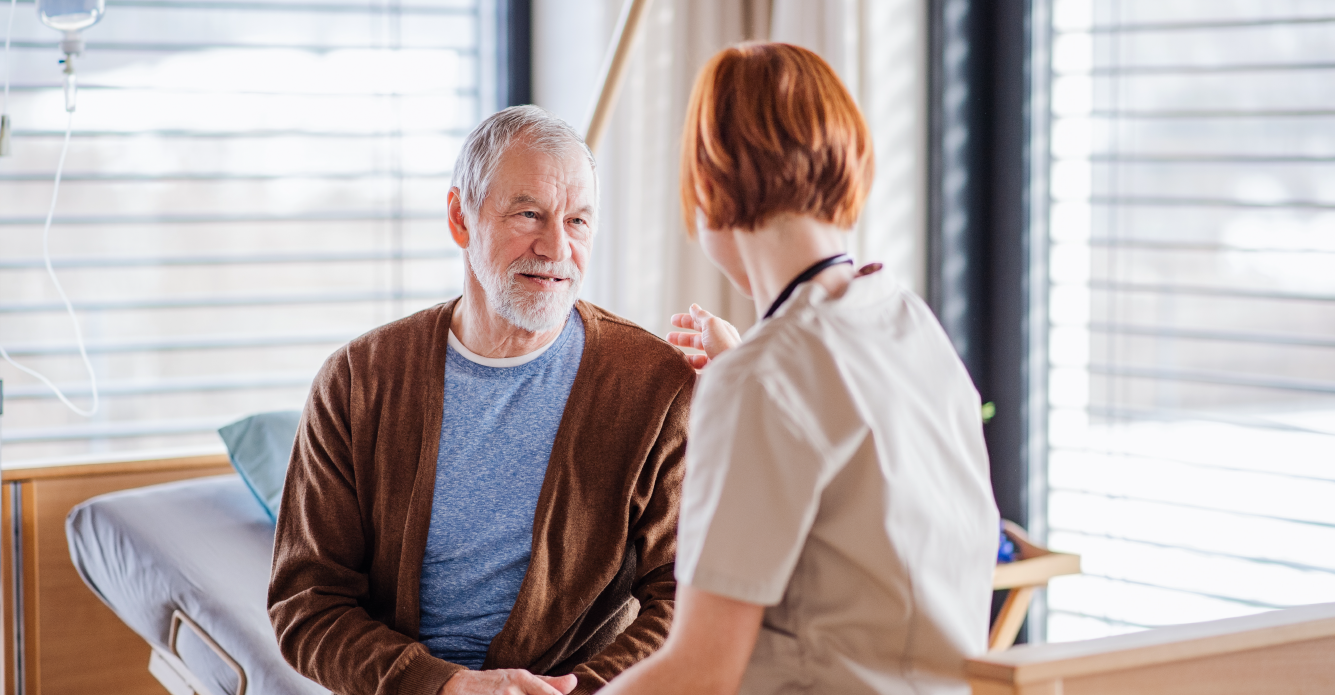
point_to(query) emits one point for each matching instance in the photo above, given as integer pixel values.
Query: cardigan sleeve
(319, 587)
(655, 540)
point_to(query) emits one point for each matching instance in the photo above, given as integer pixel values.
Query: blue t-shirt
(495, 439)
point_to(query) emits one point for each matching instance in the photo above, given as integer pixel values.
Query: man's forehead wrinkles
(572, 197)
(522, 183)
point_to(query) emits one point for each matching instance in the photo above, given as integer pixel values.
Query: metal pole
(614, 69)
(4, 681)
(15, 569)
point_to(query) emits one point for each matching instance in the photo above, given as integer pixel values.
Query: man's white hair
(485, 146)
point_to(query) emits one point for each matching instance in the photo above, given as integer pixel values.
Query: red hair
(770, 129)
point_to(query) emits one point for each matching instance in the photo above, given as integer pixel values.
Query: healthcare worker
(838, 532)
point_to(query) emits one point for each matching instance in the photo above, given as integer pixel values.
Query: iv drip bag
(70, 15)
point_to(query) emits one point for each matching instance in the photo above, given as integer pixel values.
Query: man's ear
(458, 221)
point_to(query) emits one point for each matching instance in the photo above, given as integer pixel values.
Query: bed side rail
(177, 664)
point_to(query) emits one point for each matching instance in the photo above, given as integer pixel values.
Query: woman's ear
(458, 221)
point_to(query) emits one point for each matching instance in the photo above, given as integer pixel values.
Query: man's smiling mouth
(544, 278)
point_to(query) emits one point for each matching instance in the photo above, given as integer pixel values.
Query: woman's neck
(779, 250)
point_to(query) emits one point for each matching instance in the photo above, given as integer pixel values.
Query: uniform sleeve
(319, 583)
(767, 437)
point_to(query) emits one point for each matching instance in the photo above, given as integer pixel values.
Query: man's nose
(553, 244)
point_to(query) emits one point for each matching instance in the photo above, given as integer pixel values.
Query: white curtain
(879, 49)
(644, 267)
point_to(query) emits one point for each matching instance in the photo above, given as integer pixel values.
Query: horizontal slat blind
(249, 185)
(1192, 310)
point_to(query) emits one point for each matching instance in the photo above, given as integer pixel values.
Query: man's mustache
(566, 270)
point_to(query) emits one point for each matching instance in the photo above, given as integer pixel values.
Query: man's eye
(578, 220)
(530, 214)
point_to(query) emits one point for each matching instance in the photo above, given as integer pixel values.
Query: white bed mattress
(201, 546)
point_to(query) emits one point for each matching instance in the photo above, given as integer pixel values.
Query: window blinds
(1192, 309)
(249, 184)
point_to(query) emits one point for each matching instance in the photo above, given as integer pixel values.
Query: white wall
(569, 39)
(879, 48)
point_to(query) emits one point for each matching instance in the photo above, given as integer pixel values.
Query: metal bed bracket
(178, 619)
(170, 675)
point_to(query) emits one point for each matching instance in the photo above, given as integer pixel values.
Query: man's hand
(714, 336)
(510, 681)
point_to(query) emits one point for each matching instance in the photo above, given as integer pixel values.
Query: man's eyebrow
(524, 198)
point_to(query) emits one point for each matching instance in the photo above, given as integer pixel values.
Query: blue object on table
(1006, 550)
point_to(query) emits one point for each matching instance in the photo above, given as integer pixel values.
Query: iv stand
(614, 69)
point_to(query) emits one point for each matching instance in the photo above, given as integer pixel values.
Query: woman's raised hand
(713, 335)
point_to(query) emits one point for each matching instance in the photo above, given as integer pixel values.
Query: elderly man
(483, 496)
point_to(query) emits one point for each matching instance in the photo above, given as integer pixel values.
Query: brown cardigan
(352, 528)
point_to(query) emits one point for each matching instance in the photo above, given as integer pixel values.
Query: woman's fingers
(686, 340)
(715, 335)
(701, 316)
(683, 321)
(696, 319)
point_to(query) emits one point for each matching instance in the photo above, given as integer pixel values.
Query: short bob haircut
(770, 129)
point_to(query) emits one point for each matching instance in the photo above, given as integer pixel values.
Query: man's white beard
(530, 311)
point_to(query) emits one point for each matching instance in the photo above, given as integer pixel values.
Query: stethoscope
(806, 275)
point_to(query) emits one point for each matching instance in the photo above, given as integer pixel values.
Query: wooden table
(1033, 570)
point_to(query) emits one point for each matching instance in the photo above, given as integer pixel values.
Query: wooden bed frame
(1287, 651)
(58, 637)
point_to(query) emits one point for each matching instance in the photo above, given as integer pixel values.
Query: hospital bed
(186, 565)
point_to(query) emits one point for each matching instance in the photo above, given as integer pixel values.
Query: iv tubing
(46, 256)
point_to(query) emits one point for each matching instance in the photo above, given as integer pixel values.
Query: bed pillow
(260, 447)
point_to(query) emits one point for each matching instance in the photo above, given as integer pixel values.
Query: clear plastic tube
(46, 257)
(71, 83)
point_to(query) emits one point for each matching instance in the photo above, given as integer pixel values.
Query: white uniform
(837, 474)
